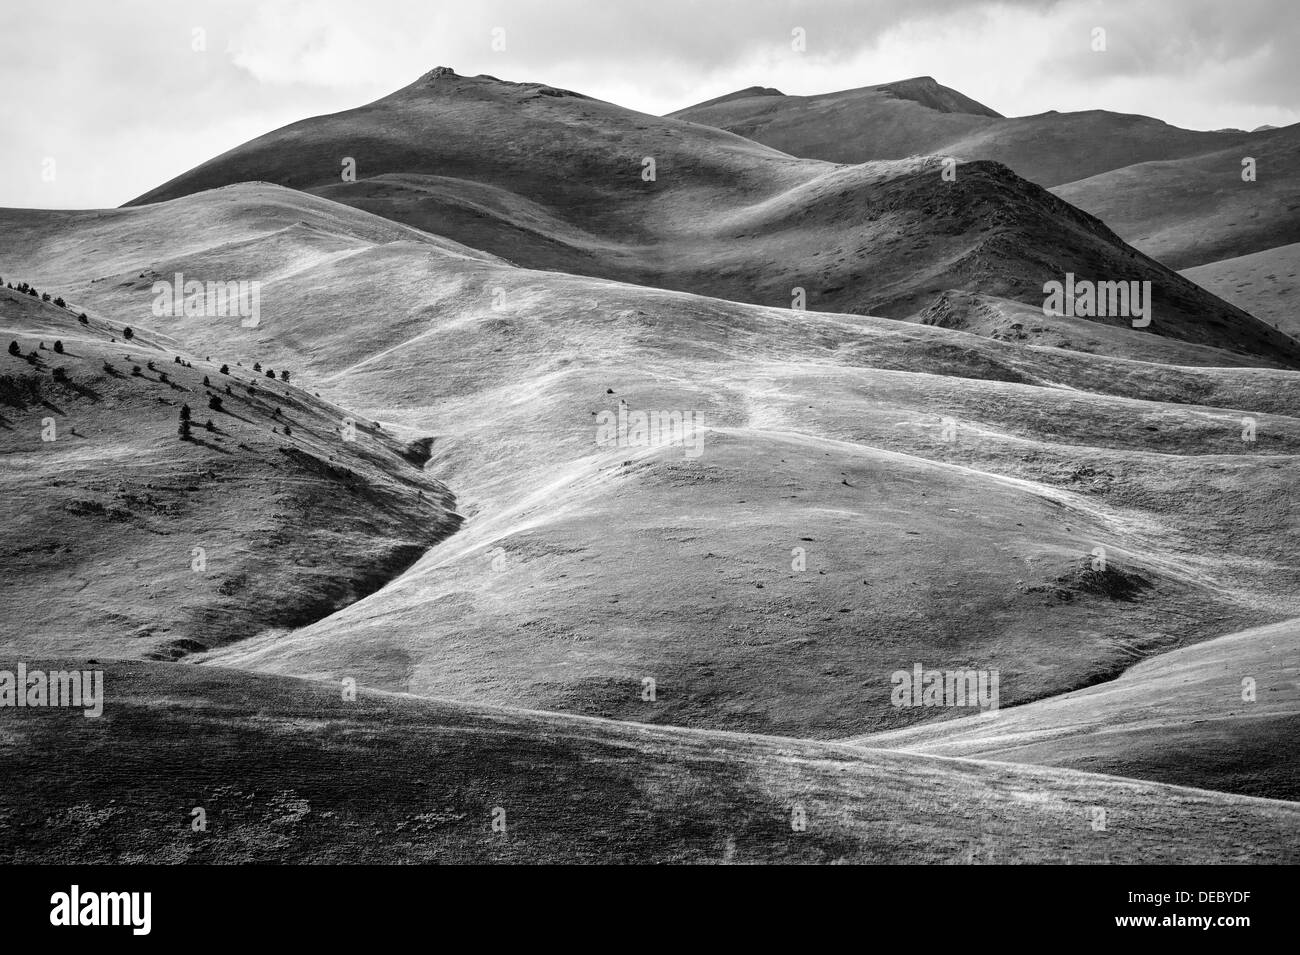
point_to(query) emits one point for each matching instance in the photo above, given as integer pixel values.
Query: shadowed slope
(919, 116)
(118, 538)
(287, 771)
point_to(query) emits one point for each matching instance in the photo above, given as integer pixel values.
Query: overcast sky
(124, 95)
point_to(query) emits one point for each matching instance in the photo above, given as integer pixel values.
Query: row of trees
(25, 289)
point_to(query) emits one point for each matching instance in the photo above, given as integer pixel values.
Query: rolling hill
(120, 539)
(1196, 210)
(922, 117)
(1266, 284)
(553, 180)
(867, 493)
(1186, 717)
(205, 765)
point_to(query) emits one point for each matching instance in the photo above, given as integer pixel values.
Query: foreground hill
(1195, 210)
(290, 771)
(920, 116)
(1266, 284)
(1183, 717)
(119, 538)
(549, 179)
(859, 495)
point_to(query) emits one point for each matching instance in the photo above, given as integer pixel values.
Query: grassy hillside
(288, 771)
(1182, 717)
(920, 116)
(121, 538)
(946, 491)
(1196, 210)
(553, 180)
(1266, 284)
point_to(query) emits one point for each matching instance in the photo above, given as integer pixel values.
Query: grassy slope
(1266, 284)
(896, 120)
(1179, 718)
(823, 432)
(551, 180)
(100, 524)
(1196, 210)
(287, 771)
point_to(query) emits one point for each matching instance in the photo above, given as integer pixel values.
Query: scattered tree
(257, 366)
(206, 383)
(185, 412)
(184, 429)
(177, 360)
(83, 319)
(58, 346)
(45, 297)
(208, 425)
(127, 333)
(225, 369)
(60, 302)
(284, 376)
(14, 349)
(60, 373)
(214, 402)
(270, 373)
(149, 365)
(286, 430)
(108, 367)
(135, 371)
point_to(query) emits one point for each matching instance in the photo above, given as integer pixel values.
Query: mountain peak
(930, 93)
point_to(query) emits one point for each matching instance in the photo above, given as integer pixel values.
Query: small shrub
(270, 373)
(127, 333)
(83, 319)
(60, 302)
(135, 371)
(225, 369)
(14, 349)
(60, 373)
(208, 425)
(257, 366)
(206, 383)
(58, 346)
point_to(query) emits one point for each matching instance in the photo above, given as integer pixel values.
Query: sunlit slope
(947, 491)
(1192, 211)
(1223, 715)
(1266, 284)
